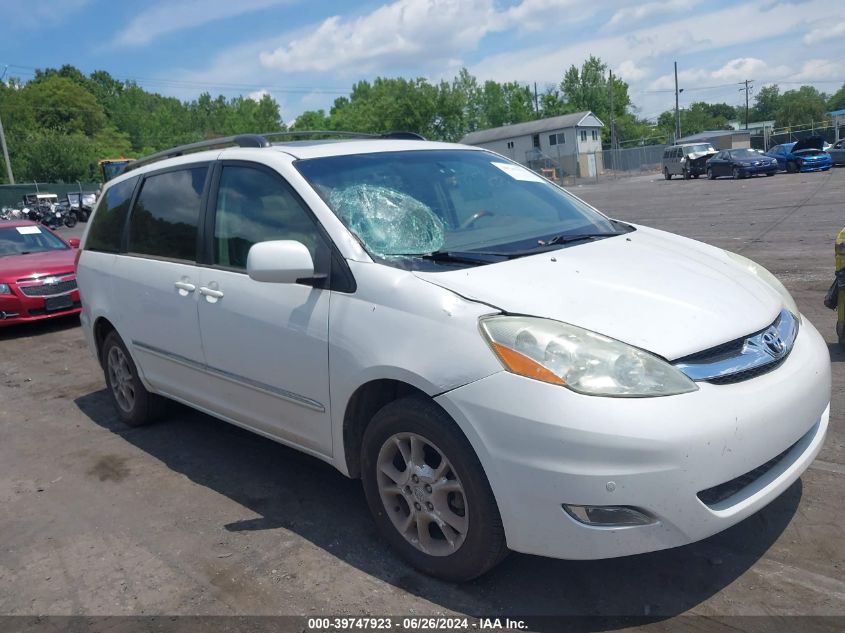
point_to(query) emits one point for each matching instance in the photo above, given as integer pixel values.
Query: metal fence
(609, 163)
(767, 140)
(11, 195)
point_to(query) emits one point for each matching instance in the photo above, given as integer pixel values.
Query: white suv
(502, 365)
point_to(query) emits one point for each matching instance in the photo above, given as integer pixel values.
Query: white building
(571, 142)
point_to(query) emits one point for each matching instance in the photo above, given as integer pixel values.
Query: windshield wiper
(568, 239)
(466, 257)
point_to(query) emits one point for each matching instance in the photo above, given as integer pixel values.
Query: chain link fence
(606, 164)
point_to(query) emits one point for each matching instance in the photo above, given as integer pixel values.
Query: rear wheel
(710, 175)
(666, 174)
(428, 492)
(135, 405)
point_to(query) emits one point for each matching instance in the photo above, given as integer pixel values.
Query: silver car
(688, 160)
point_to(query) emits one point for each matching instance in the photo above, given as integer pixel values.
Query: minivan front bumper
(738, 445)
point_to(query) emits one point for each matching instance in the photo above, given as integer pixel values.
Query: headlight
(756, 269)
(5, 290)
(583, 361)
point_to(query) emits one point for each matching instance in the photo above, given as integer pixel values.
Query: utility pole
(677, 111)
(536, 102)
(3, 143)
(610, 90)
(747, 88)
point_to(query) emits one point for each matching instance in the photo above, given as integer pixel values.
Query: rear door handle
(184, 287)
(209, 292)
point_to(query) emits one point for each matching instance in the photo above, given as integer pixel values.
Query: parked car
(502, 365)
(688, 160)
(740, 163)
(837, 152)
(804, 155)
(37, 273)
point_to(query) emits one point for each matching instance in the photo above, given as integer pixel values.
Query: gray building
(571, 143)
(720, 139)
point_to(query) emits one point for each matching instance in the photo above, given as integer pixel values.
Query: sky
(306, 53)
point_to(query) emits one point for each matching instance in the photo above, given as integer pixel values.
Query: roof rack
(260, 140)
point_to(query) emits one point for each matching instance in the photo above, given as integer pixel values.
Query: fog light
(608, 516)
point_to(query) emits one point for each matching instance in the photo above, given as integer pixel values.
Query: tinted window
(164, 218)
(106, 230)
(256, 206)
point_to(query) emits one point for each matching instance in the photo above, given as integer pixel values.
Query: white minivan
(503, 366)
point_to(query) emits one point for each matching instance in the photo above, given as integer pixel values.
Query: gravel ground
(193, 516)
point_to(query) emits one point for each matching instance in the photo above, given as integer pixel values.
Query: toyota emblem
(773, 343)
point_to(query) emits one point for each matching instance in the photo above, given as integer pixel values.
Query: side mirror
(279, 261)
(74, 242)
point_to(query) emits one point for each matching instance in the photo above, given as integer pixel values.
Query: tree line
(61, 122)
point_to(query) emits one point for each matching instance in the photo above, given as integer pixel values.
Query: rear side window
(106, 232)
(165, 216)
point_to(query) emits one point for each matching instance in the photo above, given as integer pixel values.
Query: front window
(700, 147)
(23, 240)
(421, 202)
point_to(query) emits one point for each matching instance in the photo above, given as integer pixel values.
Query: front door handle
(211, 294)
(184, 287)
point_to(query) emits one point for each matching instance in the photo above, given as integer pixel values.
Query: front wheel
(710, 174)
(686, 174)
(70, 221)
(736, 173)
(792, 167)
(428, 492)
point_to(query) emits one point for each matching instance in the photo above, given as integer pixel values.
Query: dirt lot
(194, 516)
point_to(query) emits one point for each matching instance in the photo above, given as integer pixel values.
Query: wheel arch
(102, 328)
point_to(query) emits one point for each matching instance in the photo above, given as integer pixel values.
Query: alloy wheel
(422, 494)
(121, 380)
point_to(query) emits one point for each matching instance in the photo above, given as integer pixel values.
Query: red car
(37, 273)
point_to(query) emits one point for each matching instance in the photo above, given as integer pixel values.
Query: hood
(667, 294)
(14, 267)
(697, 155)
(811, 142)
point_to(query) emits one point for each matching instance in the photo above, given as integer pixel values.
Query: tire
(134, 404)
(666, 174)
(710, 175)
(686, 174)
(769, 173)
(792, 167)
(416, 424)
(696, 176)
(735, 173)
(70, 221)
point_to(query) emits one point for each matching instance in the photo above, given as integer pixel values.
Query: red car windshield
(23, 240)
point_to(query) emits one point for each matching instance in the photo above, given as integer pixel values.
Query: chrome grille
(745, 358)
(48, 290)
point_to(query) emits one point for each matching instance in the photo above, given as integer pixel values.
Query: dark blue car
(740, 163)
(805, 155)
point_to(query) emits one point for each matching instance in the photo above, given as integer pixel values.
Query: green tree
(61, 104)
(837, 100)
(766, 103)
(800, 107)
(53, 156)
(311, 120)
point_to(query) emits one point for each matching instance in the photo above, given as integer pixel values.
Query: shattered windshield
(701, 147)
(416, 203)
